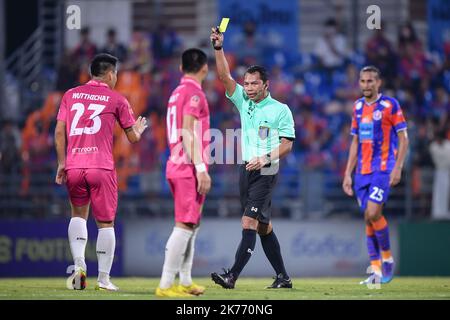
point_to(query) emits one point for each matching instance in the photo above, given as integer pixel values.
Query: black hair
(331, 22)
(372, 69)
(440, 134)
(85, 31)
(262, 72)
(111, 32)
(412, 38)
(102, 63)
(192, 60)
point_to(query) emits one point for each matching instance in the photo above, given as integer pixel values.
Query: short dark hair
(441, 134)
(102, 63)
(85, 31)
(262, 72)
(192, 60)
(331, 22)
(372, 69)
(111, 32)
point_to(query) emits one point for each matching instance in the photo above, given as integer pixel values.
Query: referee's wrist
(201, 167)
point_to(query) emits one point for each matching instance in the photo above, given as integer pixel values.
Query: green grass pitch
(246, 288)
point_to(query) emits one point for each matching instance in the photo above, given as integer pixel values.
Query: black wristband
(217, 48)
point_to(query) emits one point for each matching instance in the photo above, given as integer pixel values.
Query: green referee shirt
(263, 123)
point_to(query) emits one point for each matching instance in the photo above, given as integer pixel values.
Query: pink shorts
(97, 186)
(188, 202)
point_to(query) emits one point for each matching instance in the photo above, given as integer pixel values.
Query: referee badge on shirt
(263, 132)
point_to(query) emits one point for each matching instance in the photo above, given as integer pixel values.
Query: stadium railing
(300, 194)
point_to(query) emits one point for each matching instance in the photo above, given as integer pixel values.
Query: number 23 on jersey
(80, 109)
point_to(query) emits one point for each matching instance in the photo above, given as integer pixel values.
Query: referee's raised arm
(223, 69)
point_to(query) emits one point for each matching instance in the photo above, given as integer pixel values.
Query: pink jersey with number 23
(90, 112)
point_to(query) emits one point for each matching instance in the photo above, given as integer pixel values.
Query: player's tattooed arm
(403, 143)
(60, 144)
(223, 69)
(134, 132)
(351, 163)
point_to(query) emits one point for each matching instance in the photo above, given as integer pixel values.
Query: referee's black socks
(272, 250)
(244, 251)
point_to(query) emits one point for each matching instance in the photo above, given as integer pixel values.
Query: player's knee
(80, 215)
(372, 215)
(264, 229)
(249, 223)
(80, 212)
(105, 224)
(184, 225)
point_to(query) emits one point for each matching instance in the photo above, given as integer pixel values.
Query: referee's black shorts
(256, 192)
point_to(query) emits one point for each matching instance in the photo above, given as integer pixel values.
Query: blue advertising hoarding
(311, 249)
(32, 248)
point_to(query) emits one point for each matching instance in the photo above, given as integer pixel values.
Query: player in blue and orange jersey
(378, 151)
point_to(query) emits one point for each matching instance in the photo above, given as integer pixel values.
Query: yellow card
(224, 24)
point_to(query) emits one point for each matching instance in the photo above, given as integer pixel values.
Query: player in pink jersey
(84, 141)
(186, 172)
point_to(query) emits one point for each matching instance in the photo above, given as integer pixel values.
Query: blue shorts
(374, 187)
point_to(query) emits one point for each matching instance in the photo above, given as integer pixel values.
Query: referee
(267, 135)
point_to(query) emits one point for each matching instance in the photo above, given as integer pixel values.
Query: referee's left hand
(256, 163)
